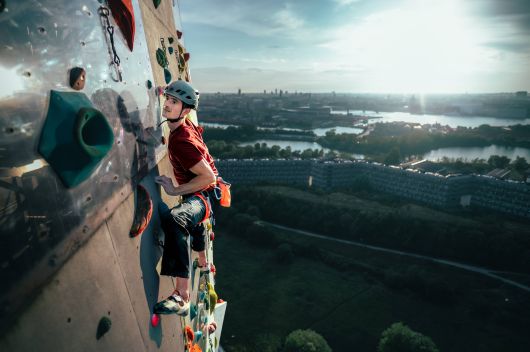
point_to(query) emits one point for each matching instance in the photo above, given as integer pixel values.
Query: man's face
(172, 108)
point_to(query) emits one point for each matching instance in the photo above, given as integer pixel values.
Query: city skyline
(359, 46)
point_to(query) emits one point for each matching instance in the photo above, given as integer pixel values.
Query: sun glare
(427, 46)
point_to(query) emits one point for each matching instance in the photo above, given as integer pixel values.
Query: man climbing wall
(196, 175)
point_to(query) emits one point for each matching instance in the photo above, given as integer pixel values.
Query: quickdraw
(104, 14)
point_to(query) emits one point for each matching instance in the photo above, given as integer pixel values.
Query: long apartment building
(450, 192)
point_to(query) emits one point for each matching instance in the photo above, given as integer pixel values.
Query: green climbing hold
(103, 327)
(161, 57)
(75, 137)
(193, 311)
(167, 75)
(170, 49)
(156, 3)
(213, 297)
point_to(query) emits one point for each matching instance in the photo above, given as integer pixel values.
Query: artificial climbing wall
(66, 196)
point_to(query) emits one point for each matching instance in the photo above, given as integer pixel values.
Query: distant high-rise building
(264, 91)
(522, 93)
(281, 92)
(239, 91)
(276, 91)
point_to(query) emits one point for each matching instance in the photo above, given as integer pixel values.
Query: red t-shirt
(186, 148)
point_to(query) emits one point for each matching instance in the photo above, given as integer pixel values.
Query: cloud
(345, 2)
(266, 19)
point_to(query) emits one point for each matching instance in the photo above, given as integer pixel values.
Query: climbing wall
(72, 276)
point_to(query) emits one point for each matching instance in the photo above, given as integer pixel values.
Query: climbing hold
(155, 319)
(123, 13)
(195, 348)
(212, 236)
(213, 297)
(211, 327)
(212, 268)
(198, 335)
(156, 3)
(75, 137)
(170, 49)
(201, 295)
(143, 211)
(219, 300)
(163, 140)
(170, 40)
(195, 263)
(160, 90)
(193, 311)
(167, 75)
(186, 56)
(189, 333)
(149, 84)
(103, 327)
(161, 57)
(77, 78)
(179, 34)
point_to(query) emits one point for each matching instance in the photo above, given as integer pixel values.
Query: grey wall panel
(66, 314)
(39, 42)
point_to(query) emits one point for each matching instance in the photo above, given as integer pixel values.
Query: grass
(351, 305)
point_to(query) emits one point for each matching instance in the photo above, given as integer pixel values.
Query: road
(472, 268)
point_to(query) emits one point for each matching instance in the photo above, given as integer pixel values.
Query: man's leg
(175, 223)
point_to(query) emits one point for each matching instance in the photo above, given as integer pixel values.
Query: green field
(350, 306)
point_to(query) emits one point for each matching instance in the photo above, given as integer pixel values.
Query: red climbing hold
(189, 333)
(220, 300)
(123, 13)
(212, 268)
(179, 34)
(155, 319)
(143, 211)
(212, 236)
(186, 56)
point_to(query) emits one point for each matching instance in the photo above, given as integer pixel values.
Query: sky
(359, 46)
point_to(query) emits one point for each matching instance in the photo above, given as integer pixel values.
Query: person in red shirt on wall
(196, 175)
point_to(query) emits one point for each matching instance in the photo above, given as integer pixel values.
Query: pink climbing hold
(220, 300)
(155, 319)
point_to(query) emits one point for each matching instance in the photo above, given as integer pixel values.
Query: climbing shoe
(174, 304)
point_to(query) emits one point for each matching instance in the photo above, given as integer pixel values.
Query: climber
(196, 176)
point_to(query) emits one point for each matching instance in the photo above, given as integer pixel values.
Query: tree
(400, 338)
(393, 157)
(499, 162)
(305, 341)
(520, 164)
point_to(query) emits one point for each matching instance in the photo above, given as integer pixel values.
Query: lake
(453, 121)
(470, 153)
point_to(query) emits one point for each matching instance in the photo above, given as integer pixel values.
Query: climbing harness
(104, 14)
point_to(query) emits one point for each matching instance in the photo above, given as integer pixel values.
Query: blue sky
(385, 46)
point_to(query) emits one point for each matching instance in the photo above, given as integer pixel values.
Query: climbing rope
(104, 13)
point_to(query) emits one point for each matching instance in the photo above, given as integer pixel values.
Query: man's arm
(204, 177)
